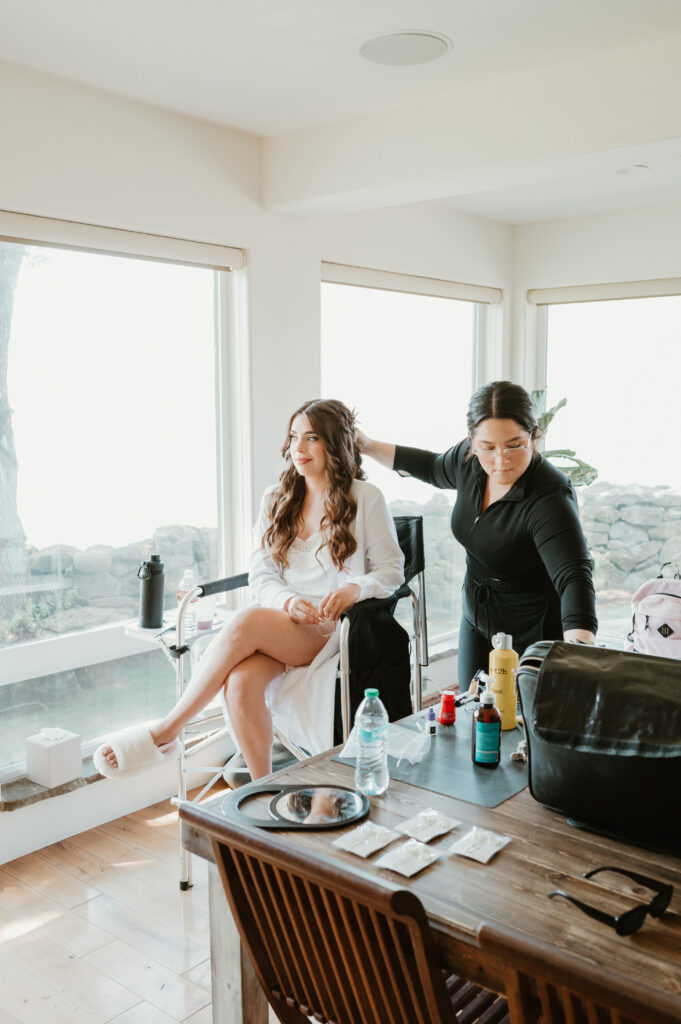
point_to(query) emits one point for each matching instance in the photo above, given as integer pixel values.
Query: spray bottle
(503, 665)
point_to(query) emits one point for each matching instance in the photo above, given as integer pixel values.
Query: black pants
(491, 607)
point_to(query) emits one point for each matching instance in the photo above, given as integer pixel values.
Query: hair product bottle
(486, 738)
(503, 665)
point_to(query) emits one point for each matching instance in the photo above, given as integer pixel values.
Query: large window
(405, 362)
(108, 452)
(618, 364)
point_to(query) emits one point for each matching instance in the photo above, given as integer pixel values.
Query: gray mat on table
(447, 767)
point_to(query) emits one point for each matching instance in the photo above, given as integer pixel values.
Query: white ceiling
(273, 67)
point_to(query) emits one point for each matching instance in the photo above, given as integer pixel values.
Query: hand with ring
(335, 603)
(302, 611)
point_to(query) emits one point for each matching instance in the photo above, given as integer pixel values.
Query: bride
(325, 540)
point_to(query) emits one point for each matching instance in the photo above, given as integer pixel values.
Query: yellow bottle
(503, 665)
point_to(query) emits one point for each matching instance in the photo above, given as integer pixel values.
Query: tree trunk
(13, 556)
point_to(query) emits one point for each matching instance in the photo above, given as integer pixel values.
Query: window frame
(487, 341)
(616, 291)
(50, 655)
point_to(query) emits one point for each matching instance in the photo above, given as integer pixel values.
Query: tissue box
(53, 757)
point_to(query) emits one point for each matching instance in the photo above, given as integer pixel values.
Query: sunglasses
(631, 920)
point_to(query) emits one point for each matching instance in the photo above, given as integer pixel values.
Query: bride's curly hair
(334, 423)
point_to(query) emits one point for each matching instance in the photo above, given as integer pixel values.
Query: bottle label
(373, 735)
(487, 742)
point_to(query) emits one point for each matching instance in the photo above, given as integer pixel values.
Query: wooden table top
(545, 853)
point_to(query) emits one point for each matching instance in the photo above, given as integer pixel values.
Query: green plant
(580, 473)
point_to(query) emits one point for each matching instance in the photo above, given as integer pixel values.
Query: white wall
(78, 154)
(634, 245)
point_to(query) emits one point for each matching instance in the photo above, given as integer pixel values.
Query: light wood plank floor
(94, 929)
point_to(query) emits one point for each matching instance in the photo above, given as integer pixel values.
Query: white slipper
(135, 751)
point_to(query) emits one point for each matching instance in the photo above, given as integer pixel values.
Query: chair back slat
(407, 987)
(384, 959)
(309, 991)
(342, 1001)
(353, 939)
(255, 892)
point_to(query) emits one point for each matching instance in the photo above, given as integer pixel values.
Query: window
(405, 362)
(109, 450)
(618, 364)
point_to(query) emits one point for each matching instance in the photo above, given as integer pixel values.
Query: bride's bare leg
(255, 630)
(248, 714)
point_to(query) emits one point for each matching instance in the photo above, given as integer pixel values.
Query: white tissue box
(53, 757)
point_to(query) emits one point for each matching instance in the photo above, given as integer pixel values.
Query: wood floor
(94, 929)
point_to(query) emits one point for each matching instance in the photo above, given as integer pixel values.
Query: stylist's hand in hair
(335, 603)
(301, 610)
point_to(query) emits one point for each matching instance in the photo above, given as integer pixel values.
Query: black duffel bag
(604, 739)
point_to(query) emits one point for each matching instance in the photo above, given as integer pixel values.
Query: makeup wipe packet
(365, 839)
(479, 844)
(409, 858)
(427, 825)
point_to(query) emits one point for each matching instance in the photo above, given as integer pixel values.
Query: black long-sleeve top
(531, 538)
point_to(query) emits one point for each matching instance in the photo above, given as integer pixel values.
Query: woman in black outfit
(527, 568)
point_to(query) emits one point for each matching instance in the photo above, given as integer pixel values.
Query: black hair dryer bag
(604, 738)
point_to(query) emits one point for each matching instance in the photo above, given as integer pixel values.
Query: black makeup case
(603, 733)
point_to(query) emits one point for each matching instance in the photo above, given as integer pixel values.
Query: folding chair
(332, 947)
(410, 538)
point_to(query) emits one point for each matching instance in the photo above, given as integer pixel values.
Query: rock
(665, 530)
(671, 550)
(55, 559)
(95, 559)
(642, 515)
(627, 533)
(629, 556)
(644, 571)
(127, 560)
(606, 575)
(100, 585)
(601, 514)
(633, 494)
(668, 499)
(596, 538)
(596, 490)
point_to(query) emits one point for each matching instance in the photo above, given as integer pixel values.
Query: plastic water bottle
(189, 621)
(371, 772)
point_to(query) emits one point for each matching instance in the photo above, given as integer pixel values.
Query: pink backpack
(656, 621)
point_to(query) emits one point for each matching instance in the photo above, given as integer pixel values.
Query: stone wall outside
(630, 530)
(71, 589)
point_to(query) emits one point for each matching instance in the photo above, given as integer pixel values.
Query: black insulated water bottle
(152, 584)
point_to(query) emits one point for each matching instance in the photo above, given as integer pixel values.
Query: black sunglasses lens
(630, 922)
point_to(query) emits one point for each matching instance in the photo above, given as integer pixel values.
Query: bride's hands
(335, 603)
(300, 610)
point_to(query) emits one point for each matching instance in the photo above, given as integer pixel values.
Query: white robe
(301, 700)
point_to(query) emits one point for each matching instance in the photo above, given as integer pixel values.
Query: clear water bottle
(189, 621)
(371, 772)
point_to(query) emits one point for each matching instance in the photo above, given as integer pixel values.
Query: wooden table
(459, 894)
